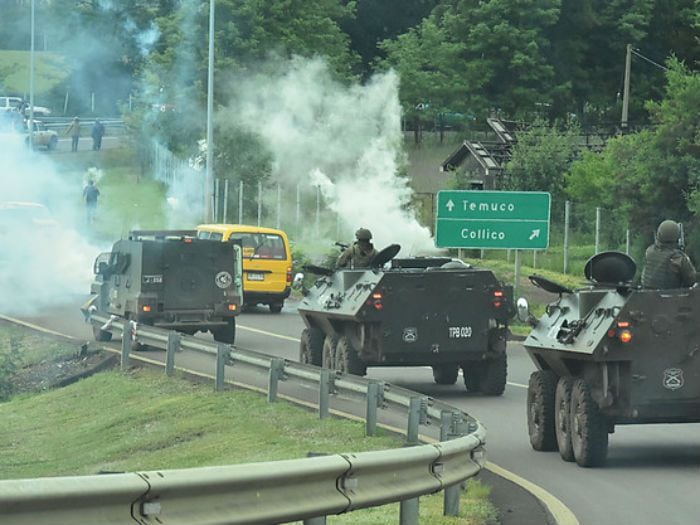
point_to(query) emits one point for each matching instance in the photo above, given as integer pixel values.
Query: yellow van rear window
(261, 245)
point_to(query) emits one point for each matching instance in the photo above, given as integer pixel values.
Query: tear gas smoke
(344, 139)
(44, 259)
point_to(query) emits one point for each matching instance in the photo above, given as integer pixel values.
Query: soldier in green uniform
(665, 264)
(361, 253)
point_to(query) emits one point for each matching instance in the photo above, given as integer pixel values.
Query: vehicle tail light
(377, 298)
(187, 240)
(232, 307)
(498, 298)
(147, 308)
(289, 276)
(621, 331)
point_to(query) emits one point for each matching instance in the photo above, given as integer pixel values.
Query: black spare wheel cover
(610, 267)
(385, 255)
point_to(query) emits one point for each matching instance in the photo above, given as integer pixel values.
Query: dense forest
(556, 63)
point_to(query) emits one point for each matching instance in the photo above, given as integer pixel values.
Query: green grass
(31, 347)
(50, 70)
(142, 420)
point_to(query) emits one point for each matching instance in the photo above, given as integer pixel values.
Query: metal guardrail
(269, 492)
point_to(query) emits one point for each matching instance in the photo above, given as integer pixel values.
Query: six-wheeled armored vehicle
(432, 311)
(607, 354)
(169, 279)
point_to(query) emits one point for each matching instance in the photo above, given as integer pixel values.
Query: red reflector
(232, 307)
(623, 324)
(187, 240)
(378, 305)
(625, 336)
(498, 293)
(611, 333)
(147, 308)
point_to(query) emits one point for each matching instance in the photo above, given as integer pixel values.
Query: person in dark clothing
(90, 195)
(98, 131)
(361, 253)
(665, 264)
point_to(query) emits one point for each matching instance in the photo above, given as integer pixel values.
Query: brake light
(289, 276)
(232, 307)
(498, 298)
(625, 336)
(187, 240)
(377, 298)
(147, 308)
(622, 331)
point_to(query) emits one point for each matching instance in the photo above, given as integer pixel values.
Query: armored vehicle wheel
(562, 421)
(589, 429)
(347, 360)
(471, 373)
(540, 410)
(276, 308)
(329, 344)
(445, 374)
(493, 373)
(101, 335)
(311, 347)
(226, 334)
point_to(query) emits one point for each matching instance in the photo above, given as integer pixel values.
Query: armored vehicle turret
(432, 311)
(169, 279)
(607, 354)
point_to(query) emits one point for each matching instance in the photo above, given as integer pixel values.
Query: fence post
(375, 398)
(451, 502)
(417, 414)
(516, 277)
(276, 374)
(325, 387)
(128, 334)
(173, 346)
(408, 511)
(222, 353)
(567, 213)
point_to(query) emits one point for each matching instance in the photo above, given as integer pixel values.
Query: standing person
(98, 131)
(665, 264)
(74, 132)
(361, 253)
(90, 194)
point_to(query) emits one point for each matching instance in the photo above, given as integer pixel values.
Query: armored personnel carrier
(608, 354)
(169, 279)
(432, 311)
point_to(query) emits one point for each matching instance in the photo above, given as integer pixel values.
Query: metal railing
(269, 492)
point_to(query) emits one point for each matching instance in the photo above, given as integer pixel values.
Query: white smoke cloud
(44, 259)
(344, 139)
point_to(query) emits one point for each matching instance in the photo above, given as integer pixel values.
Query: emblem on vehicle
(410, 335)
(673, 378)
(223, 279)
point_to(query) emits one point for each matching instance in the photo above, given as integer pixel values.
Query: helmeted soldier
(665, 264)
(361, 253)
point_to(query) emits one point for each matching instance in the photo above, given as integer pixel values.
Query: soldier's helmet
(668, 231)
(363, 234)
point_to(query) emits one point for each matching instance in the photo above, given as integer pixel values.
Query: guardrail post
(408, 511)
(173, 346)
(222, 354)
(452, 493)
(276, 374)
(417, 414)
(128, 333)
(325, 387)
(375, 398)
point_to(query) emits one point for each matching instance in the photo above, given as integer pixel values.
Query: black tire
(226, 334)
(471, 372)
(589, 428)
(311, 347)
(347, 360)
(493, 375)
(101, 335)
(276, 308)
(329, 345)
(445, 374)
(562, 419)
(540, 410)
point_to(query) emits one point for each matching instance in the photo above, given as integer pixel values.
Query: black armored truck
(607, 354)
(422, 311)
(169, 279)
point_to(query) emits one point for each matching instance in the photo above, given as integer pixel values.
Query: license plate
(256, 276)
(459, 332)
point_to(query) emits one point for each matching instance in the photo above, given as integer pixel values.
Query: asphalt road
(653, 471)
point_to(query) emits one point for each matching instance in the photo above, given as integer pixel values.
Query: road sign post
(493, 219)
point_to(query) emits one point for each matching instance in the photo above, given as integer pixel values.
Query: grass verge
(142, 420)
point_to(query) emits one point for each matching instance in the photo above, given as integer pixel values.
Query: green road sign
(493, 219)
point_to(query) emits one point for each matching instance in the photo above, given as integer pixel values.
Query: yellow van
(267, 261)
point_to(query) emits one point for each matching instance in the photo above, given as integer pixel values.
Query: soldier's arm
(344, 258)
(688, 274)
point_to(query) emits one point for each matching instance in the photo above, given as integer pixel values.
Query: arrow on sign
(534, 234)
(450, 205)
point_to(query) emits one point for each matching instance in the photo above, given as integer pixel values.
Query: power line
(636, 52)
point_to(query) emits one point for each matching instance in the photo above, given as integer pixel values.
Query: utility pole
(209, 183)
(626, 90)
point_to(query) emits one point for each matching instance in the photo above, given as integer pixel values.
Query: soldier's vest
(658, 271)
(361, 259)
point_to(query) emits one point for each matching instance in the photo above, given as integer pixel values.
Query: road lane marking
(561, 513)
(270, 334)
